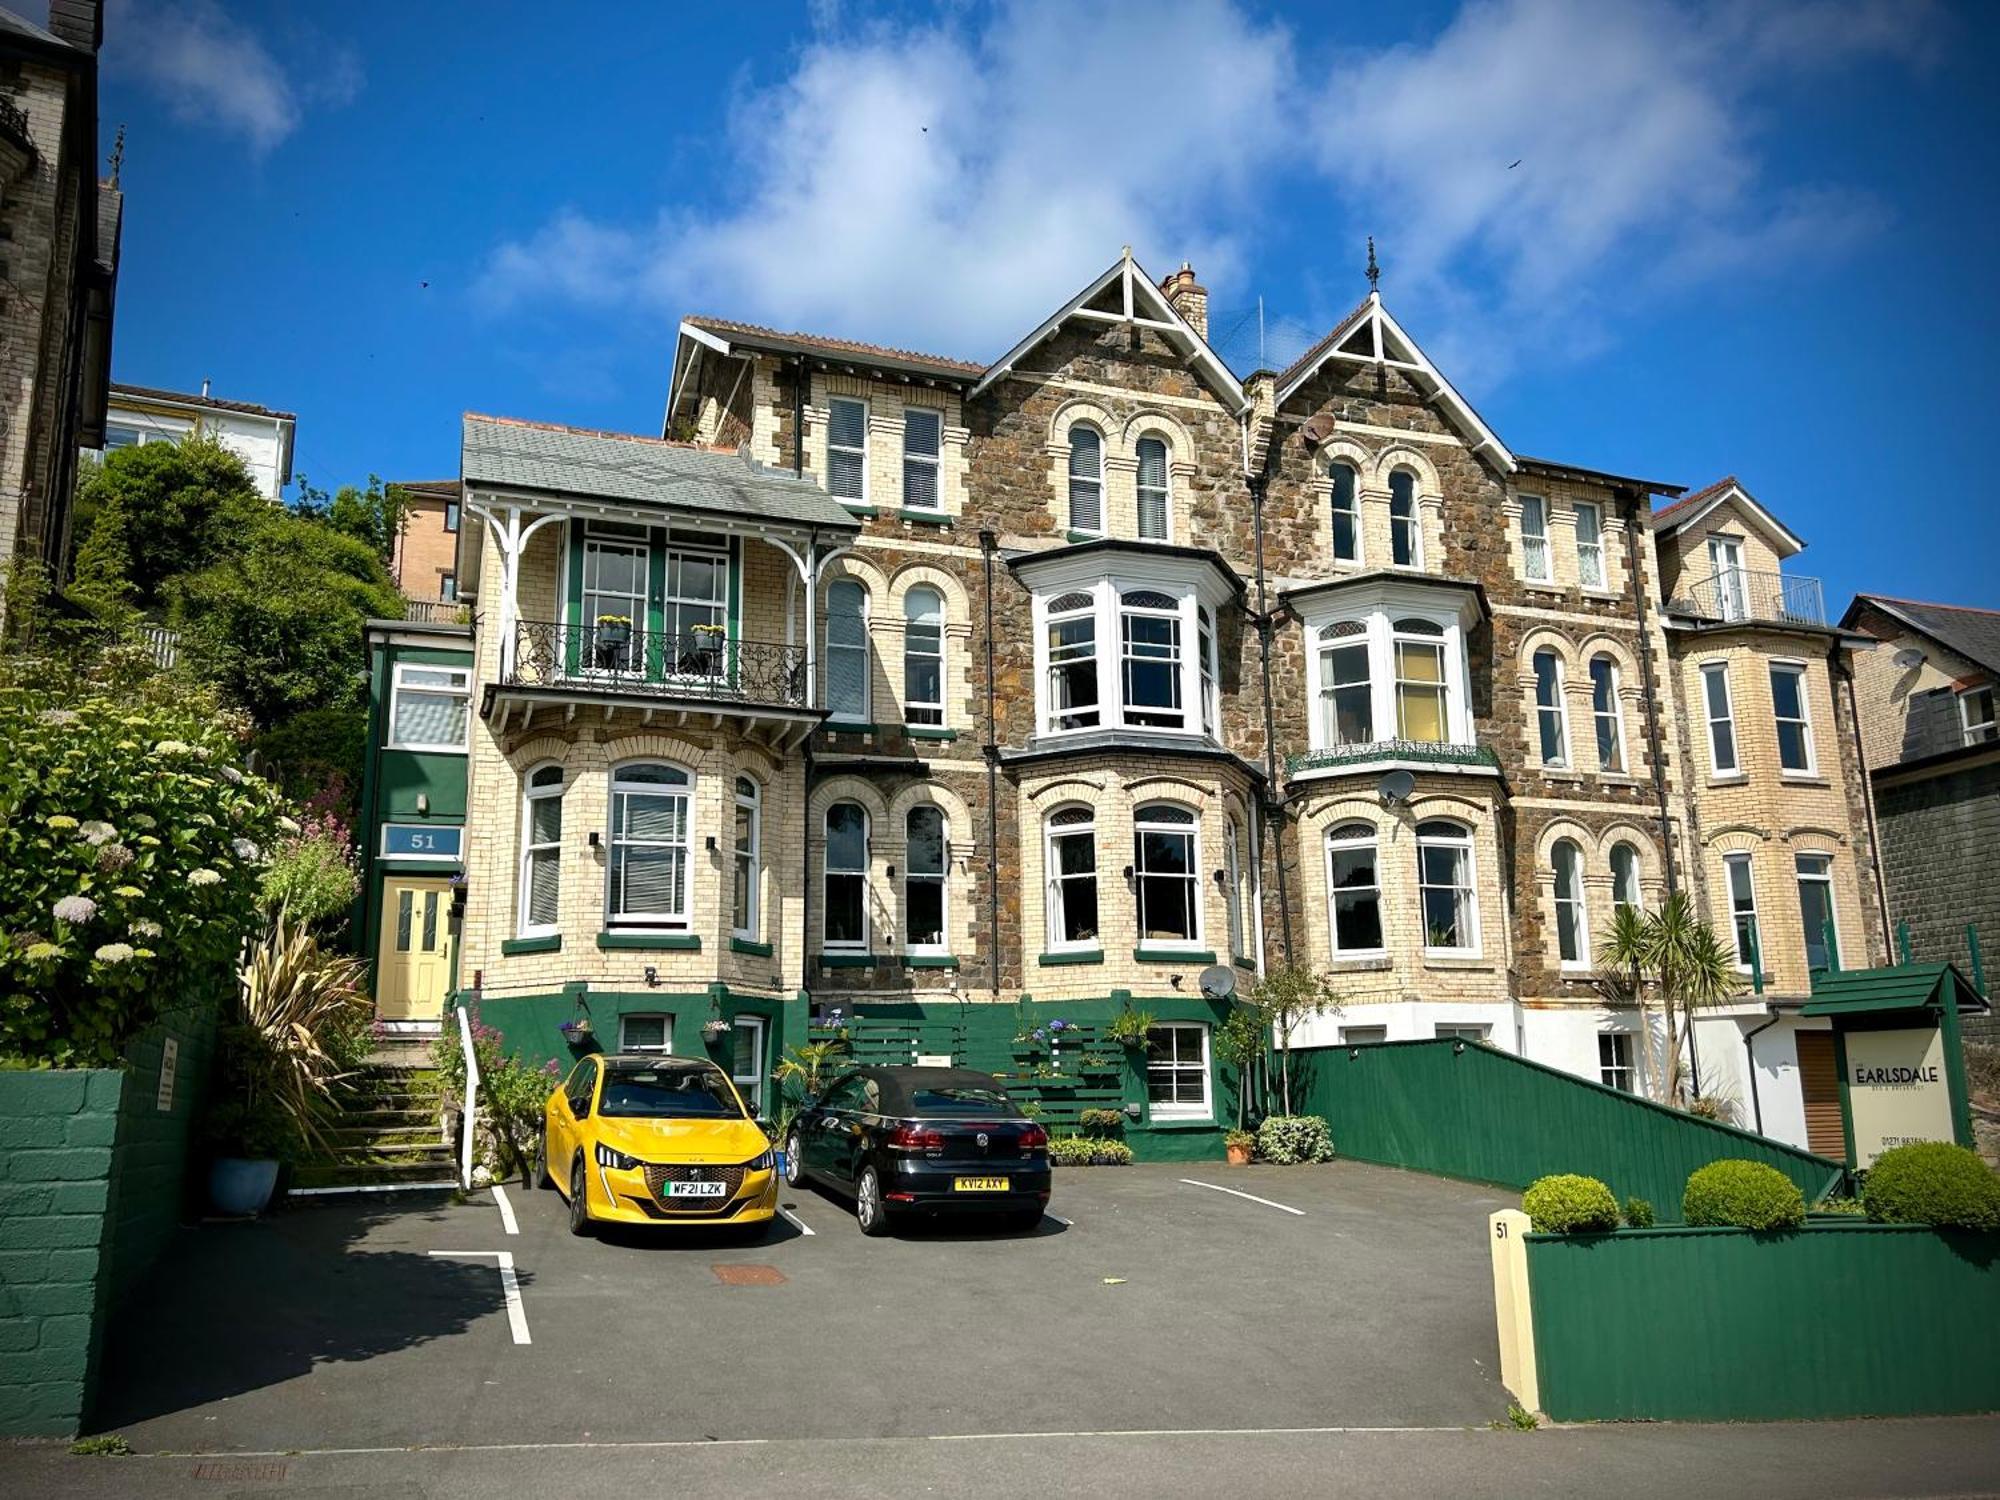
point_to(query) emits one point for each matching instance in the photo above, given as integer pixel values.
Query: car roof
(898, 1086)
(651, 1060)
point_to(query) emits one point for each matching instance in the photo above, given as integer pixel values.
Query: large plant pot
(240, 1186)
(1239, 1156)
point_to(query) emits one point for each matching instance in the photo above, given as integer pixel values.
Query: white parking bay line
(1216, 1187)
(802, 1226)
(506, 1209)
(510, 1288)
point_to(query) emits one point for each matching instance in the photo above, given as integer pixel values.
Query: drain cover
(749, 1275)
(241, 1471)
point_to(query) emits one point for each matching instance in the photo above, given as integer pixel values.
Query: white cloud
(212, 69)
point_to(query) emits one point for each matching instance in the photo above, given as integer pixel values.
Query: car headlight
(762, 1163)
(617, 1161)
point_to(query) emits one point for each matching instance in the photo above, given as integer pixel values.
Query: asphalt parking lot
(1356, 1296)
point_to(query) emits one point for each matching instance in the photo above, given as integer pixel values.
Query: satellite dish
(1908, 657)
(1396, 787)
(1218, 981)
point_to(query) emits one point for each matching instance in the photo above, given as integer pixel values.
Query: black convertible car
(921, 1140)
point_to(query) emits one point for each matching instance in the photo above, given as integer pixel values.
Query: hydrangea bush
(131, 851)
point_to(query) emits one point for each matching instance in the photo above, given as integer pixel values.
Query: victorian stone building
(941, 701)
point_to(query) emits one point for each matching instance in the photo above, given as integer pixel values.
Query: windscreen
(668, 1092)
(965, 1103)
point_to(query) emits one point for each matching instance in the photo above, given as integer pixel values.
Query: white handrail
(469, 1118)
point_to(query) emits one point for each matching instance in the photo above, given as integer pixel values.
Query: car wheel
(579, 1200)
(542, 1178)
(868, 1209)
(795, 1167)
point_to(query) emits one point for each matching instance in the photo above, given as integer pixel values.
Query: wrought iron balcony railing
(696, 664)
(14, 125)
(1427, 752)
(1742, 594)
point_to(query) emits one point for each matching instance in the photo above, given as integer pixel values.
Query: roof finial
(1374, 270)
(117, 155)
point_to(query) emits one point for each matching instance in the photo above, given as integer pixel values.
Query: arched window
(1086, 480)
(749, 859)
(925, 852)
(923, 656)
(1165, 867)
(847, 651)
(1444, 885)
(650, 835)
(1072, 870)
(1346, 514)
(541, 852)
(1232, 885)
(1605, 711)
(1420, 682)
(1551, 713)
(1625, 876)
(1153, 501)
(1355, 891)
(1346, 693)
(1406, 541)
(1572, 927)
(846, 879)
(1150, 625)
(1072, 626)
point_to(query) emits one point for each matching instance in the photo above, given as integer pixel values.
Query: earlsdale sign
(1896, 1090)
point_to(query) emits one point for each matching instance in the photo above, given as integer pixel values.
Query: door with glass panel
(612, 610)
(413, 958)
(1725, 559)
(694, 613)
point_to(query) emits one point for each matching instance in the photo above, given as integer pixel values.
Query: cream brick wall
(886, 404)
(1560, 499)
(1684, 555)
(1372, 469)
(1887, 690)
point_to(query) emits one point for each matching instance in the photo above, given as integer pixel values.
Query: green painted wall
(1724, 1325)
(1489, 1116)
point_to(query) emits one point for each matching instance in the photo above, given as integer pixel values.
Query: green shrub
(1745, 1194)
(1638, 1214)
(1933, 1182)
(1088, 1151)
(1285, 1139)
(312, 872)
(1101, 1122)
(1845, 1208)
(315, 750)
(1566, 1203)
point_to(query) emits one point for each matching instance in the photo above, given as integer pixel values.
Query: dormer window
(1405, 536)
(1086, 480)
(1153, 506)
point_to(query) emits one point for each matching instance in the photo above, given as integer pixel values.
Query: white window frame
(1613, 716)
(1732, 581)
(596, 545)
(1211, 705)
(1195, 673)
(833, 403)
(750, 855)
(1380, 635)
(1619, 1064)
(1637, 891)
(1400, 637)
(1713, 672)
(1463, 1031)
(1092, 482)
(1563, 758)
(1737, 913)
(674, 921)
(1537, 565)
(1823, 879)
(933, 461)
(458, 685)
(672, 601)
(1575, 899)
(750, 1085)
(1337, 842)
(1327, 720)
(1796, 670)
(1204, 1109)
(924, 712)
(860, 714)
(1174, 614)
(1057, 901)
(1164, 490)
(1978, 731)
(531, 794)
(941, 878)
(1462, 839)
(1191, 830)
(1590, 554)
(1352, 510)
(666, 1046)
(1093, 716)
(1415, 522)
(1232, 883)
(828, 871)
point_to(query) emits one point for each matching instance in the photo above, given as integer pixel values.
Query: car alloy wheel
(795, 1168)
(868, 1210)
(579, 1200)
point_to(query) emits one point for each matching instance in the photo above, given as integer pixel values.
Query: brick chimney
(1188, 298)
(78, 22)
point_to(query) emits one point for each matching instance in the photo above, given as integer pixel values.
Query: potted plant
(614, 630)
(578, 1032)
(1239, 1144)
(714, 1030)
(1128, 1029)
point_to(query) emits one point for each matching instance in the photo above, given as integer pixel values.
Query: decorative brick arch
(1401, 455)
(1068, 789)
(845, 789)
(957, 610)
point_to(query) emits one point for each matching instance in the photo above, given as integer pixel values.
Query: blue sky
(1742, 237)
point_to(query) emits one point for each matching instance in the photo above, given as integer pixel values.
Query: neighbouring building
(935, 701)
(424, 561)
(1932, 741)
(262, 438)
(59, 228)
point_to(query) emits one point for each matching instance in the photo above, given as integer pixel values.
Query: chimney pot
(1188, 298)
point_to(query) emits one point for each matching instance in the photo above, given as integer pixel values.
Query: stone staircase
(387, 1132)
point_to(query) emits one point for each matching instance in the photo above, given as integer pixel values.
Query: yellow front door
(413, 965)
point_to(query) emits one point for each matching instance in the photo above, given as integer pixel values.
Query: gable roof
(1973, 633)
(1691, 508)
(1851, 992)
(1137, 291)
(1369, 335)
(509, 453)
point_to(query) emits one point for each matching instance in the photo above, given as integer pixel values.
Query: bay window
(1386, 674)
(1346, 696)
(1072, 865)
(1205, 645)
(541, 853)
(1354, 890)
(1421, 682)
(1166, 871)
(846, 883)
(1150, 661)
(1445, 890)
(925, 855)
(647, 869)
(1072, 657)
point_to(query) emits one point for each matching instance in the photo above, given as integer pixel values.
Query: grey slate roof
(1973, 633)
(513, 454)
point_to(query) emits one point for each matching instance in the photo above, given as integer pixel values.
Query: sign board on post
(1896, 1089)
(170, 1060)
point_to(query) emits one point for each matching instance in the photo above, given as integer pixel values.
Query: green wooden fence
(1724, 1325)
(1470, 1111)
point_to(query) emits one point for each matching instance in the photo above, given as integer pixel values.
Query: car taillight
(1034, 1138)
(914, 1138)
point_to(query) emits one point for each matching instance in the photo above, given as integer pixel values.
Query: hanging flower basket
(715, 1031)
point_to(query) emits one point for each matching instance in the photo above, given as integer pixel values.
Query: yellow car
(650, 1139)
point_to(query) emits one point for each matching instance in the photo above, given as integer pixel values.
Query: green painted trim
(1241, 962)
(750, 946)
(855, 509)
(688, 942)
(1081, 956)
(928, 732)
(1084, 536)
(550, 944)
(656, 603)
(1172, 956)
(847, 960)
(848, 726)
(735, 635)
(1846, 1106)
(929, 961)
(1209, 1124)
(926, 517)
(573, 607)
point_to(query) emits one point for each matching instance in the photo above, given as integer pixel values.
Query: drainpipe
(987, 542)
(1843, 667)
(1750, 1064)
(1651, 696)
(1258, 481)
(806, 880)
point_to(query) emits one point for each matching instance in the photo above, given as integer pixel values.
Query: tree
(1680, 956)
(1284, 998)
(153, 512)
(1240, 1041)
(374, 515)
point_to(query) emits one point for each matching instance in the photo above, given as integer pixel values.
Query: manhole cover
(749, 1275)
(240, 1471)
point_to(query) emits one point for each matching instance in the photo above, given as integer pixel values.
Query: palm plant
(1679, 956)
(295, 1003)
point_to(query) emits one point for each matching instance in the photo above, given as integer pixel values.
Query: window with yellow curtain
(1420, 681)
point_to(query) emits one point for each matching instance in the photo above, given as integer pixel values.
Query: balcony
(1384, 754)
(1738, 594)
(435, 611)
